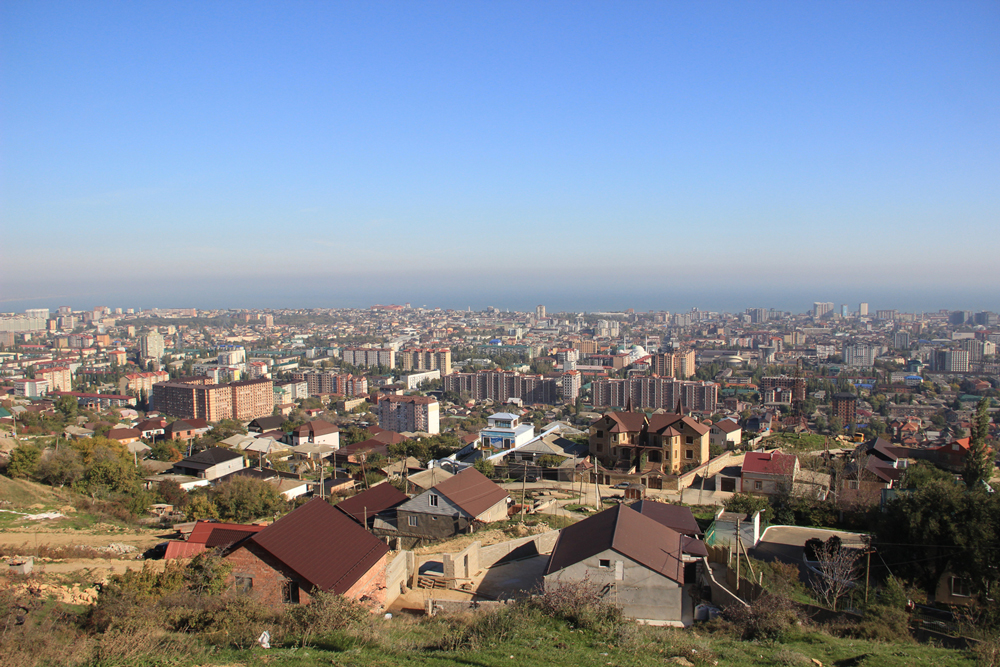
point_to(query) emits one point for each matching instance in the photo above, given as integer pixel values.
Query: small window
(689, 453)
(758, 486)
(853, 484)
(413, 520)
(960, 588)
(243, 584)
(600, 447)
(690, 440)
(290, 592)
(433, 500)
(604, 562)
(600, 434)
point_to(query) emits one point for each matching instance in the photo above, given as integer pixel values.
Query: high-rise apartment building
(901, 340)
(192, 398)
(343, 384)
(845, 406)
(500, 386)
(151, 345)
(821, 308)
(757, 315)
(796, 385)
(60, 378)
(677, 364)
(863, 309)
(409, 413)
(656, 393)
(860, 355)
(540, 312)
(425, 360)
(951, 361)
(136, 383)
(366, 357)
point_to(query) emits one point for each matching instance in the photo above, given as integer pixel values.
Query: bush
(245, 498)
(581, 604)
(768, 618)
(207, 573)
(23, 461)
(881, 624)
(326, 614)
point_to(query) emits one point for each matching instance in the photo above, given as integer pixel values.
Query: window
(758, 486)
(853, 484)
(243, 584)
(290, 592)
(604, 562)
(600, 447)
(433, 500)
(689, 453)
(689, 440)
(960, 588)
(413, 520)
(600, 434)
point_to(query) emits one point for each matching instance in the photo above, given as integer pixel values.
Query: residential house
(124, 435)
(313, 548)
(264, 424)
(634, 560)
(150, 428)
(210, 464)
(209, 535)
(186, 429)
(426, 479)
(726, 433)
(316, 432)
(456, 505)
(768, 473)
(631, 446)
(379, 499)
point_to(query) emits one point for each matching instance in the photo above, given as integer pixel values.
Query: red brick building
(314, 548)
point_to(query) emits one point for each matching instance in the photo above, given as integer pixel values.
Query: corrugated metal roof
(769, 463)
(623, 530)
(676, 517)
(322, 545)
(204, 530)
(368, 503)
(472, 491)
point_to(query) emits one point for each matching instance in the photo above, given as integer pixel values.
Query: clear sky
(583, 155)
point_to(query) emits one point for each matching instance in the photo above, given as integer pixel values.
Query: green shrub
(766, 619)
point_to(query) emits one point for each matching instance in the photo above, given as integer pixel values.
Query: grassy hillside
(22, 494)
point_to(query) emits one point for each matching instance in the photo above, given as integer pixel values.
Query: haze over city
(590, 156)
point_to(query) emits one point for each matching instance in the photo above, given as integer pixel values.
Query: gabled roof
(268, 423)
(213, 534)
(368, 503)
(472, 491)
(124, 433)
(675, 517)
(727, 425)
(624, 530)
(213, 456)
(321, 545)
(370, 445)
(427, 478)
(769, 463)
(626, 422)
(318, 427)
(386, 436)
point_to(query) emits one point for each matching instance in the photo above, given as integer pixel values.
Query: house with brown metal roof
(209, 535)
(634, 560)
(456, 505)
(633, 446)
(316, 432)
(365, 506)
(314, 548)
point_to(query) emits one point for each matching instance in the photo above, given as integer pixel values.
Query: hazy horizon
(594, 155)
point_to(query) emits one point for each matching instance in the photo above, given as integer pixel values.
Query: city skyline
(593, 156)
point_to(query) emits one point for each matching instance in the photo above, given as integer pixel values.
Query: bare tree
(838, 571)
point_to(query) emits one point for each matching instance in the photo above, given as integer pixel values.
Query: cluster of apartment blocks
(195, 397)
(318, 383)
(407, 360)
(656, 393)
(501, 386)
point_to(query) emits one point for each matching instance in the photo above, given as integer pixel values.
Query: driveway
(785, 543)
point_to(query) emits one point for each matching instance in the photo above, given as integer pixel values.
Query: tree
(745, 503)
(979, 460)
(111, 474)
(67, 407)
(245, 498)
(63, 467)
(484, 466)
(922, 473)
(23, 462)
(838, 570)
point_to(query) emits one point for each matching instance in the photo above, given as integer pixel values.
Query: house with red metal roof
(313, 548)
(633, 559)
(209, 535)
(768, 473)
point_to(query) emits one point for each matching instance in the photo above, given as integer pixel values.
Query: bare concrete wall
(398, 575)
(463, 565)
(543, 543)
(640, 592)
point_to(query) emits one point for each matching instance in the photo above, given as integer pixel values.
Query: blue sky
(592, 155)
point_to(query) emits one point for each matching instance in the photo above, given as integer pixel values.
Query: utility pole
(868, 567)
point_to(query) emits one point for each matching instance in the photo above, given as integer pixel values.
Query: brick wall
(269, 576)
